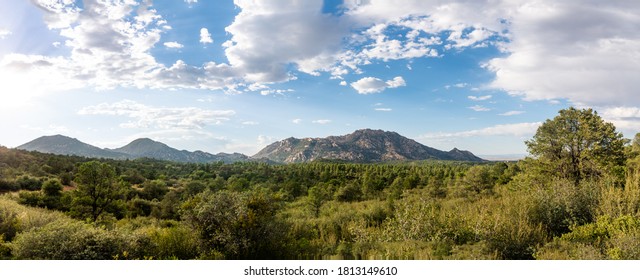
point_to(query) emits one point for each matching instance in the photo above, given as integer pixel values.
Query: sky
(235, 76)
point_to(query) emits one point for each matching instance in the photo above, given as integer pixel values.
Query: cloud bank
(586, 52)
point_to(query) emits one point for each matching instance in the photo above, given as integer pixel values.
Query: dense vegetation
(578, 197)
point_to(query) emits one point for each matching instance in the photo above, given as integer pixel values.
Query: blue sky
(234, 76)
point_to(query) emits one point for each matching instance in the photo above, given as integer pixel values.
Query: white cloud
(396, 82)
(386, 49)
(275, 91)
(322, 121)
(517, 129)
(173, 45)
(479, 98)
(584, 52)
(49, 130)
(250, 123)
(264, 140)
(479, 108)
(269, 36)
(110, 46)
(511, 113)
(297, 121)
(144, 116)
(59, 13)
(626, 119)
(384, 109)
(29, 77)
(191, 1)
(343, 83)
(205, 36)
(369, 85)
(621, 112)
(4, 33)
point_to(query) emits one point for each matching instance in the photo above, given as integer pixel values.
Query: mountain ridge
(363, 145)
(139, 148)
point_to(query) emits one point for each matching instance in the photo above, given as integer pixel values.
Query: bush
(348, 193)
(237, 225)
(564, 250)
(563, 204)
(141, 207)
(29, 183)
(73, 240)
(31, 198)
(612, 238)
(8, 186)
(504, 224)
(9, 225)
(479, 179)
(177, 242)
(155, 189)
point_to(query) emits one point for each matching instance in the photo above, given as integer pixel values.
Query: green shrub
(31, 198)
(8, 186)
(29, 183)
(504, 224)
(237, 225)
(563, 204)
(66, 239)
(176, 242)
(560, 249)
(9, 224)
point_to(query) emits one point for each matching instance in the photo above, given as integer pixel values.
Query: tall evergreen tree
(576, 145)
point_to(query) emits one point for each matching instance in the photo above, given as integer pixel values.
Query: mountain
(145, 147)
(363, 145)
(139, 148)
(63, 145)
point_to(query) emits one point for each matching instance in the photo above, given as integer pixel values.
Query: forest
(576, 197)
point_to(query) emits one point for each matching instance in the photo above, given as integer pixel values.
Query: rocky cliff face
(364, 145)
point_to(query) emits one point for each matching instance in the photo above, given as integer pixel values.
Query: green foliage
(31, 198)
(98, 191)
(507, 228)
(610, 238)
(169, 206)
(52, 188)
(563, 205)
(479, 179)
(29, 183)
(318, 195)
(560, 249)
(141, 207)
(9, 226)
(237, 225)
(8, 186)
(348, 193)
(52, 194)
(155, 189)
(70, 240)
(577, 145)
(332, 210)
(177, 242)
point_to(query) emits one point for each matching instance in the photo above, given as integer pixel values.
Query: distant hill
(364, 145)
(63, 145)
(139, 148)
